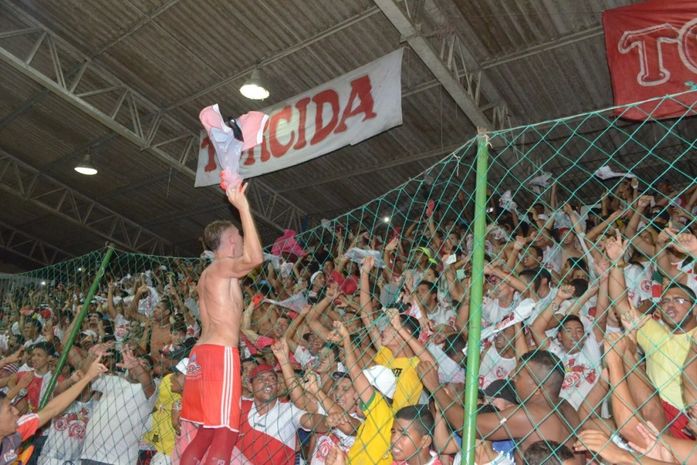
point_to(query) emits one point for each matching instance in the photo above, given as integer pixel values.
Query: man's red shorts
(213, 389)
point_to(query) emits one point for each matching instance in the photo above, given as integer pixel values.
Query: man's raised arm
(252, 254)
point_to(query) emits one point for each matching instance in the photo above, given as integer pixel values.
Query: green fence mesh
(585, 335)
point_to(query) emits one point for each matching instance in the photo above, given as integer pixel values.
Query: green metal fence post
(68, 344)
(469, 435)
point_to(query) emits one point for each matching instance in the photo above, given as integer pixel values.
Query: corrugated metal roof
(544, 58)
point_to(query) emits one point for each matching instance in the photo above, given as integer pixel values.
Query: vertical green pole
(469, 427)
(68, 343)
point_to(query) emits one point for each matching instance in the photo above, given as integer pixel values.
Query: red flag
(652, 52)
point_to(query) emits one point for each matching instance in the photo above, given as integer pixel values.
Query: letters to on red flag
(652, 52)
(344, 111)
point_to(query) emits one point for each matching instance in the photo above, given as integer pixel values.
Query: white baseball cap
(382, 379)
(182, 365)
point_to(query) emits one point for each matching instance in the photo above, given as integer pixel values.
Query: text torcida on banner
(345, 111)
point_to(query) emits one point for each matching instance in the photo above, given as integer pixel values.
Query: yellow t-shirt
(665, 357)
(162, 433)
(372, 445)
(409, 387)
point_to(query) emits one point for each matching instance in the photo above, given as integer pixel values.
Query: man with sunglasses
(665, 341)
(666, 345)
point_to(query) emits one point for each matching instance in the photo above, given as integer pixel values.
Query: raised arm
(139, 294)
(360, 383)
(137, 369)
(630, 231)
(452, 409)
(313, 317)
(366, 302)
(292, 331)
(419, 350)
(685, 242)
(247, 330)
(110, 301)
(63, 400)
(297, 394)
(553, 203)
(463, 310)
(252, 254)
(541, 323)
(576, 307)
(602, 227)
(624, 408)
(516, 247)
(508, 278)
(615, 248)
(602, 305)
(387, 258)
(663, 259)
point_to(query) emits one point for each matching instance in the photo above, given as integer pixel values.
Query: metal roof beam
(467, 101)
(28, 183)
(562, 41)
(145, 120)
(278, 56)
(29, 247)
(455, 20)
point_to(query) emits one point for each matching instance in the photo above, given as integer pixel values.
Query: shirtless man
(213, 389)
(542, 414)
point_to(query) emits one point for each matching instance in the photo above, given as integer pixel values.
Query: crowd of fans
(354, 344)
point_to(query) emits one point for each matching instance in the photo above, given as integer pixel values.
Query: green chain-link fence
(575, 290)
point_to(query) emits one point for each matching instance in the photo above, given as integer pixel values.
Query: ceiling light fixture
(253, 88)
(86, 167)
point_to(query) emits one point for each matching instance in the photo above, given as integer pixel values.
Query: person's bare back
(548, 425)
(220, 303)
(213, 386)
(219, 292)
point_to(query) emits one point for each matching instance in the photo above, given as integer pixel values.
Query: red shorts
(213, 389)
(677, 422)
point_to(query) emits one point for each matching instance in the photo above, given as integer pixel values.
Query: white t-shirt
(582, 369)
(147, 304)
(492, 312)
(638, 279)
(542, 304)
(67, 435)
(272, 435)
(192, 305)
(118, 421)
(687, 267)
(442, 316)
(326, 441)
(493, 367)
(31, 342)
(552, 257)
(501, 459)
(588, 313)
(121, 328)
(304, 357)
(448, 370)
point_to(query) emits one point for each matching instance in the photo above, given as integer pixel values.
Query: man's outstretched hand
(237, 196)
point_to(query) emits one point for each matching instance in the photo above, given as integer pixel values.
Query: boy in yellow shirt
(393, 350)
(162, 434)
(375, 387)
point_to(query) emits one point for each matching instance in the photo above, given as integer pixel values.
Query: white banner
(344, 111)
